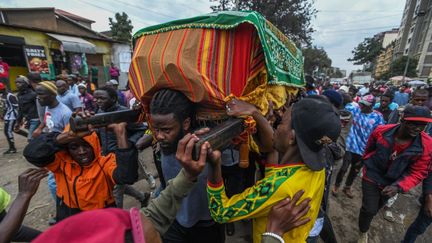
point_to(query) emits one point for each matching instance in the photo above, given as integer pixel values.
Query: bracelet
(274, 236)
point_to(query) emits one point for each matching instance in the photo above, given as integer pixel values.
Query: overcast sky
(340, 24)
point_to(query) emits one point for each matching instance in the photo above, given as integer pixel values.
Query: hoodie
(82, 188)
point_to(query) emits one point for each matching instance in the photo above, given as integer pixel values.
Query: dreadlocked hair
(167, 101)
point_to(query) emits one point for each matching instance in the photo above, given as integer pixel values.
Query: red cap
(420, 119)
(2, 86)
(101, 225)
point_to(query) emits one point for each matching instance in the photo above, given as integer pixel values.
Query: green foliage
(336, 74)
(121, 28)
(292, 17)
(315, 58)
(366, 52)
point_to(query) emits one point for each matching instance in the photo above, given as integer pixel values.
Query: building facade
(384, 61)
(415, 35)
(52, 42)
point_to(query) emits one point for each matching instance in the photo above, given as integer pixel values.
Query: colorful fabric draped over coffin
(210, 57)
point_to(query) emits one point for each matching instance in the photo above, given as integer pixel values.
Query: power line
(363, 11)
(350, 30)
(360, 20)
(146, 9)
(112, 11)
(189, 6)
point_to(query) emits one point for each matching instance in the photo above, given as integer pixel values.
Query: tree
(122, 27)
(336, 74)
(315, 58)
(397, 68)
(223, 5)
(367, 52)
(292, 17)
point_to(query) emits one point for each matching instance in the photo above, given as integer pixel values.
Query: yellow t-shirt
(4, 199)
(280, 182)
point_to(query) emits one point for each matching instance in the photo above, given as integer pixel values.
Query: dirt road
(343, 211)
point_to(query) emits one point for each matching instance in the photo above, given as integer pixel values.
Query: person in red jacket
(4, 73)
(396, 159)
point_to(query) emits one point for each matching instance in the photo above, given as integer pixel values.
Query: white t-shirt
(57, 118)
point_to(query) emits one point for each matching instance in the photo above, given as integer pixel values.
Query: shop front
(52, 54)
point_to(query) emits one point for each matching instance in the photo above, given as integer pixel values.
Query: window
(425, 71)
(429, 47)
(428, 59)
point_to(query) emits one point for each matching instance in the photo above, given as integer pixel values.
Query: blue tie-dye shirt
(362, 126)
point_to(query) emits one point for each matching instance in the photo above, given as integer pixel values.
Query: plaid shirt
(362, 126)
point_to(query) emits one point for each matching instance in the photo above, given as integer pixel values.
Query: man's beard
(172, 148)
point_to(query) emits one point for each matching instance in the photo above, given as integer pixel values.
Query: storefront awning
(74, 44)
(12, 40)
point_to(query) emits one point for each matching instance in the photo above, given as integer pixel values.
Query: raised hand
(28, 181)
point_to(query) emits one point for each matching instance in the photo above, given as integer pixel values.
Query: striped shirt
(11, 104)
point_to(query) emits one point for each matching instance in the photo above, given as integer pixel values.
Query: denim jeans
(52, 185)
(33, 124)
(418, 227)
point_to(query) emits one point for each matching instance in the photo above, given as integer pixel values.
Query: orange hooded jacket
(85, 187)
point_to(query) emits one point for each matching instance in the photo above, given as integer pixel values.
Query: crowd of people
(379, 132)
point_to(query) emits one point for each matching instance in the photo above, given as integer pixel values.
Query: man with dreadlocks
(171, 116)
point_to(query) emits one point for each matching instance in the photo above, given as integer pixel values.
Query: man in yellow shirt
(306, 128)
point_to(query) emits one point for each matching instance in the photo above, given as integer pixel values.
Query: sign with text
(36, 59)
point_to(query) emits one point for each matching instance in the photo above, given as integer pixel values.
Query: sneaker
(52, 221)
(335, 190)
(363, 238)
(10, 151)
(151, 181)
(144, 202)
(348, 192)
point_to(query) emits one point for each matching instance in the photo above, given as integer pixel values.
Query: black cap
(417, 113)
(315, 123)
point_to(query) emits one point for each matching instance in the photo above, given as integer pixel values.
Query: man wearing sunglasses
(397, 158)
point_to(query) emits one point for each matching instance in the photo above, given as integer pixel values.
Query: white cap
(344, 88)
(114, 82)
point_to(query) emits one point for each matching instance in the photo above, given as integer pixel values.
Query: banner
(36, 59)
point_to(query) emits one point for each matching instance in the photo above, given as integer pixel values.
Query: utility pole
(419, 15)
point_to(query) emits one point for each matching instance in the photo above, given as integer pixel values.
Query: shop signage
(36, 59)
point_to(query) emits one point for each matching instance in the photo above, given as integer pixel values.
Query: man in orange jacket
(85, 178)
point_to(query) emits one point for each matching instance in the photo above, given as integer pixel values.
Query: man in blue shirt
(365, 120)
(66, 97)
(401, 98)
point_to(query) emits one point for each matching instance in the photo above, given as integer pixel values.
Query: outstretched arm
(163, 210)
(126, 171)
(28, 183)
(264, 139)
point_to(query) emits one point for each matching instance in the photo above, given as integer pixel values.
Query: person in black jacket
(26, 106)
(107, 101)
